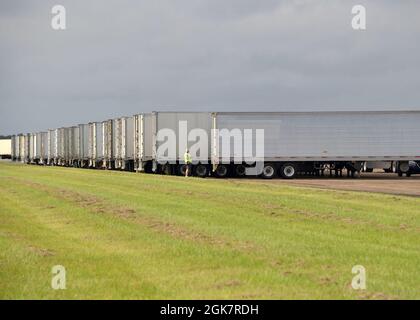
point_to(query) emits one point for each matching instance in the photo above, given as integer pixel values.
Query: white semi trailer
(294, 142)
(107, 145)
(52, 147)
(84, 146)
(96, 150)
(123, 144)
(314, 141)
(7, 148)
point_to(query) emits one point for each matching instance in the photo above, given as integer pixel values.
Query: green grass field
(134, 236)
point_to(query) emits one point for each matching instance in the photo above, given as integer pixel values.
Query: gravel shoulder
(369, 182)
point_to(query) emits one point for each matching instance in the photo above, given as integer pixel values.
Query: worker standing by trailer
(188, 162)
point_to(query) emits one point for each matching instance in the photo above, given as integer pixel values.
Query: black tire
(408, 174)
(355, 174)
(240, 170)
(167, 169)
(269, 171)
(222, 171)
(182, 168)
(288, 171)
(400, 174)
(201, 171)
(369, 170)
(403, 167)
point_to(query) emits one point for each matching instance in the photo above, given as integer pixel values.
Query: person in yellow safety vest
(188, 161)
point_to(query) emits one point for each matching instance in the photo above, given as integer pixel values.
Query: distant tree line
(5, 137)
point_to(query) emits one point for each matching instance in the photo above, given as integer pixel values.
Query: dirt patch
(275, 211)
(228, 284)
(327, 281)
(37, 250)
(14, 236)
(41, 251)
(376, 296)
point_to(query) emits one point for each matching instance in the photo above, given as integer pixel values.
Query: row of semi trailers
(291, 143)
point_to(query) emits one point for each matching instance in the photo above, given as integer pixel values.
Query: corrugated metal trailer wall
(124, 143)
(84, 144)
(95, 144)
(332, 136)
(107, 136)
(44, 148)
(143, 137)
(17, 147)
(32, 147)
(64, 145)
(116, 125)
(186, 128)
(38, 144)
(52, 147)
(74, 147)
(13, 148)
(92, 144)
(128, 143)
(118, 144)
(118, 128)
(29, 143)
(99, 144)
(68, 145)
(27, 148)
(176, 121)
(61, 146)
(22, 147)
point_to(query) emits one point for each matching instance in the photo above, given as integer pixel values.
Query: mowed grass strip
(138, 236)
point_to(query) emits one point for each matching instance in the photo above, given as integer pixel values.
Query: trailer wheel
(182, 168)
(201, 171)
(404, 167)
(240, 170)
(288, 171)
(222, 171)
(269, 171)
(166, 169)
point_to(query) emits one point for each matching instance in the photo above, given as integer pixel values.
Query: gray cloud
(123, 57)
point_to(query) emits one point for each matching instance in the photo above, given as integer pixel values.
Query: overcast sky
(120, 57)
